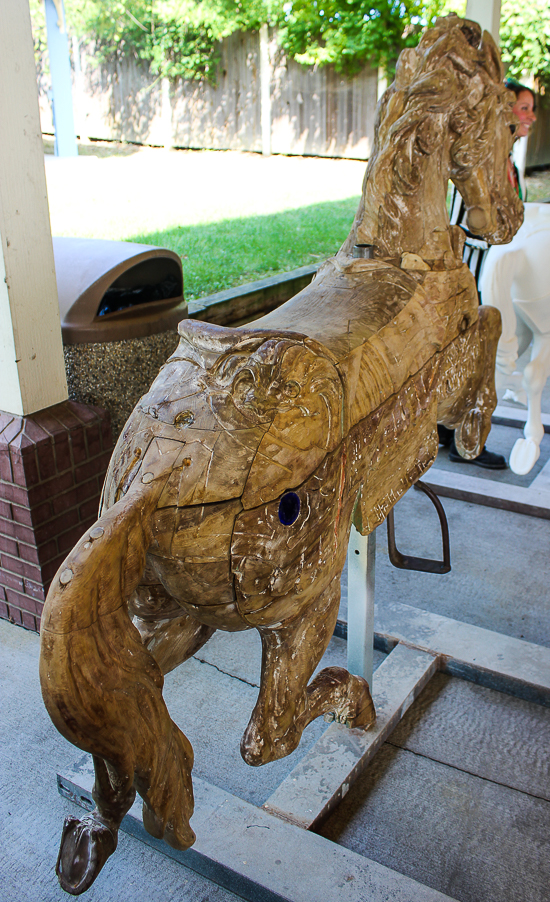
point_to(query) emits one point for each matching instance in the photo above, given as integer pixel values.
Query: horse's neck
(415, 222)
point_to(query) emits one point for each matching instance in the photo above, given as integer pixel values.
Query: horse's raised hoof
(85, 847)
(524, 456)
(364, 719)
(357, 710)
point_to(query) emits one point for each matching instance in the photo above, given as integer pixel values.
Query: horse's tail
(102, 688)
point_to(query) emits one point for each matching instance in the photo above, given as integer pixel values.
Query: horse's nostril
(289, 508)
(477, 218)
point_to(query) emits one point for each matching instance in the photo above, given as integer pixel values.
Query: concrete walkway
(458, 798)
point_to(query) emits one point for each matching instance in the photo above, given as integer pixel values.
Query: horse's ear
(492, 62)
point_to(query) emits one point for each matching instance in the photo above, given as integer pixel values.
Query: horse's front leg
(526, 451)
(286, 703)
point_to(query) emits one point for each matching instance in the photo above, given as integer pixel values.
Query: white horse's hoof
(524, 456)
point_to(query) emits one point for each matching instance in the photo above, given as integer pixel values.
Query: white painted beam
(491, 659)
(533, 501)
(487, 13)
(32, 369)
(265, 90)
(324, 775)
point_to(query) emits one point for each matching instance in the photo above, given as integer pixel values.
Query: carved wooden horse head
(447, 115)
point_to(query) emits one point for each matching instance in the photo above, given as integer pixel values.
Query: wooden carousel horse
(230, 495)
(516, 281)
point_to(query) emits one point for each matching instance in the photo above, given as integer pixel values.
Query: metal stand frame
(360, 632)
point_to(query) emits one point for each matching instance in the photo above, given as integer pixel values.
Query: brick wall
(52, 467)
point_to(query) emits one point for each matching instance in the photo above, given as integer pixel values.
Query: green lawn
(232, 217)
(224, 254)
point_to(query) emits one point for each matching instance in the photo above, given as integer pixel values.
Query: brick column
(52, 467)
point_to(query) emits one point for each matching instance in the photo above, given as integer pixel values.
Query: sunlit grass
(221, 255)
(538, 185)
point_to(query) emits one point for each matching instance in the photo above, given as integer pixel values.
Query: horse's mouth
(507, 224)
(506, 219)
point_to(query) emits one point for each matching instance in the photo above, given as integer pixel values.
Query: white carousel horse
(516, 280)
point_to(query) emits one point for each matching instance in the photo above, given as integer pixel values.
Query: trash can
(120, 304)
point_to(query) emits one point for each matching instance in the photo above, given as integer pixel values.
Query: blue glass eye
(289, 508)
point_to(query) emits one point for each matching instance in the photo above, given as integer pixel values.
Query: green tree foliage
(179, 37)
(350, 33)
(38, 21)
(525, 39)
(182, 37)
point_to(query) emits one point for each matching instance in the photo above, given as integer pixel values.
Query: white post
(60, 68)
(265, 91)
(382, 83)
(361, 563)
(80, 92)
(32, 369)
(487, 13)
(166, 114)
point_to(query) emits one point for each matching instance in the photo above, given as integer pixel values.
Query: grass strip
(221, 255)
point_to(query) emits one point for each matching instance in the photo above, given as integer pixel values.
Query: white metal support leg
(361, 560)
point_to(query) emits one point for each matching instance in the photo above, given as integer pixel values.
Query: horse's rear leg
(87, 843)
(286, 704)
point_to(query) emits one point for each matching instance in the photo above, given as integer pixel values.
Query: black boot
(446, 436)
(489, 460)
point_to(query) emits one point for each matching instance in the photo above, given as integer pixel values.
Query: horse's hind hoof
(85, 847)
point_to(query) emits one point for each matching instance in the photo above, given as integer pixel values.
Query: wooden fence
(310, 111)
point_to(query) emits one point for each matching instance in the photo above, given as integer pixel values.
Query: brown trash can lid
(91, 270)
